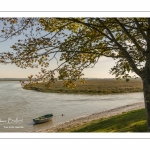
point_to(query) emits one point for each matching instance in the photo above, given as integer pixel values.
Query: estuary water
(18, 106)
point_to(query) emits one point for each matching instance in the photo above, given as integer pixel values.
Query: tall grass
(97, 86)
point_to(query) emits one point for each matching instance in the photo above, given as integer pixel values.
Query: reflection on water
(17, 103)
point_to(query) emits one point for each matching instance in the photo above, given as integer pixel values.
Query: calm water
(18, 107)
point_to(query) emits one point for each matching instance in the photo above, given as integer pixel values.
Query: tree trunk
(146, 90)
(146, 78)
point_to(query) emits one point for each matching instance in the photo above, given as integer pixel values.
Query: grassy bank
(97, 86)
(133, 121)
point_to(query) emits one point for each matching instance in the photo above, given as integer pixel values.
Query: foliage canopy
(80, 41)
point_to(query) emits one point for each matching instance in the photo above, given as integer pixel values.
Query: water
(18, 106)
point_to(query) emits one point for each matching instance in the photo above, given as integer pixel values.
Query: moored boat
(43, 119)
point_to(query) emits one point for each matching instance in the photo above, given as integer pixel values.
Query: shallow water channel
(18, 106)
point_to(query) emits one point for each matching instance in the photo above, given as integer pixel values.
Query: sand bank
(85, 119)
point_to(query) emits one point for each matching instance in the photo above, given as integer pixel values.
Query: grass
(133, 121)
(97, 86)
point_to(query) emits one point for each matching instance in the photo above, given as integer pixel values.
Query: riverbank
(92, 86)
(72, 124)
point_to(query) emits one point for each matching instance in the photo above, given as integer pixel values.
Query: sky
(100, 70)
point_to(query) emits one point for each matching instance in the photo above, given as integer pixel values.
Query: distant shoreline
(14, 79)
(92, 86)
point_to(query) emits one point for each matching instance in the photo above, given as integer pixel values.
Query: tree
(13, 27)
(81, 42)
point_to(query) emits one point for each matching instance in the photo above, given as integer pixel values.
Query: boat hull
(43, 119)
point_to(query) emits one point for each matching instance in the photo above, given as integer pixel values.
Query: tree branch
(131, 37)
(88, 25)
(141, 31)
(126, 54)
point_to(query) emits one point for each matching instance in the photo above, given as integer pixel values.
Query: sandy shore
(82, 120)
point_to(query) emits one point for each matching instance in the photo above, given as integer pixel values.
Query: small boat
(43, 119)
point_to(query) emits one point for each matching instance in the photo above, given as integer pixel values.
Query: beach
(86, 119)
